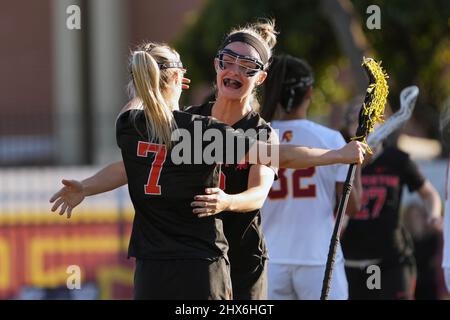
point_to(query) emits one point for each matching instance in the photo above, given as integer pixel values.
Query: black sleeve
(193, 109)
(235, 143)
(121, 126)
(130, 123)
(266, 134)
(411, 175)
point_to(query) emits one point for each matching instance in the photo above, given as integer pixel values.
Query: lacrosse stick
(408, 98)
(371, 111)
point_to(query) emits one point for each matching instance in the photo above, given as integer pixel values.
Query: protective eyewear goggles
(247, 65)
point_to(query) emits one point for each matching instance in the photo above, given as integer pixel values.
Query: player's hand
(435, 223)
(353, 152)
(68, 197)
(214, 202)
(185, 83)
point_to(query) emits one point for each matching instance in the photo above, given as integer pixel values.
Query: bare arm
(109, 178)
(432, 201)
(354, 201)
(74, 191)
(297, 157)
(260, 181)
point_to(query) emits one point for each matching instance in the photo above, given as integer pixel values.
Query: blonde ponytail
(266, 29)
(146, 81)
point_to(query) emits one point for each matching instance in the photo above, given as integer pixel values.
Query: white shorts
(301, 282)
(447, 278)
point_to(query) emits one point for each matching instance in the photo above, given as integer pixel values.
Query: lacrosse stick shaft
(336, 231)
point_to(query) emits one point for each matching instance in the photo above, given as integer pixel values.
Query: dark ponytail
(286, 85)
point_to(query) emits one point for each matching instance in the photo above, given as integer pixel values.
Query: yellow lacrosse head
(372, 110)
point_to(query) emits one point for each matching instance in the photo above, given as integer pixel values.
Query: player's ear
(176, 78)
(216, 64)
(309, 93)
(262, 75)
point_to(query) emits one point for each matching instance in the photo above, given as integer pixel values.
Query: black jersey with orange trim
(242, 230)
(376, 232)
(161, 191)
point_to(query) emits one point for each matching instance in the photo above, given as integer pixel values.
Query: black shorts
(397, 282)
(250, 280)
(182, 279)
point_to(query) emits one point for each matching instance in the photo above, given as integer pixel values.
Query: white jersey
(297, 217)
(446, 258)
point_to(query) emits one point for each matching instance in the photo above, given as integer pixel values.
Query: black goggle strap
(166, 65)
(250, 40)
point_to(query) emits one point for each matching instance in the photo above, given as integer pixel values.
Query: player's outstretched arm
(297, 157)
(432, 200)
(74, 191)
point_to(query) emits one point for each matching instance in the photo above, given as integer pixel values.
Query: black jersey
(164, 225)
(242, 230)
(376, 231)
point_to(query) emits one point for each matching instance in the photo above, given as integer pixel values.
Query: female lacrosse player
(241, 64)
(375, 238)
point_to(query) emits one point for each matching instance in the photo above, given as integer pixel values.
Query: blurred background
(62, 88)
